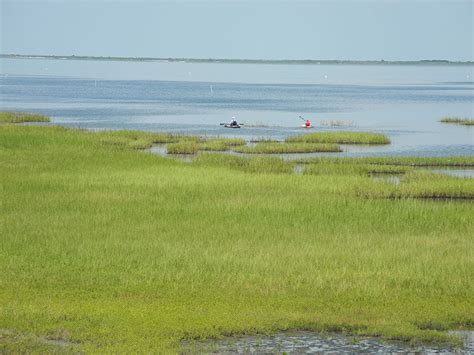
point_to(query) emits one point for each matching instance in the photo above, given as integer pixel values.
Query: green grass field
(106, 248)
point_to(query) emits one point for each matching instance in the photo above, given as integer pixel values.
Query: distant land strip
(239, 61)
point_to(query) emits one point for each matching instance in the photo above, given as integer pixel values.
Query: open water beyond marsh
(404, 102)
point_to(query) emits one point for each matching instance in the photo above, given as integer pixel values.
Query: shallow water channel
(304, 342)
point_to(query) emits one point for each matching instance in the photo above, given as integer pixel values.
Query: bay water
(405, 102)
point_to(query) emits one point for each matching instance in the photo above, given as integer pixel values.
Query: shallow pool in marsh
(404, 102)
(304, 342)
(464, 173)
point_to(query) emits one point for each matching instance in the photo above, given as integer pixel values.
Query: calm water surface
(404, 102)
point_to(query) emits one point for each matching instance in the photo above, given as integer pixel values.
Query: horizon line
(231, 60)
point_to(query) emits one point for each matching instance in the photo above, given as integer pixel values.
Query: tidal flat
(107, 248)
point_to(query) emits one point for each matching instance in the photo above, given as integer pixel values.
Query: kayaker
(307, 123)
(233, 122)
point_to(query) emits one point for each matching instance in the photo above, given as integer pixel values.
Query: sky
(259, 29)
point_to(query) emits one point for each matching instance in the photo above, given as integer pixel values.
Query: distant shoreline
(237, 61)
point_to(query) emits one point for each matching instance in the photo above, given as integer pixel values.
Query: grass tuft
(162, 138)
(221, 144)
(22, 117)
(232, 142)
(458, 120)
(341, 138)
(263, 140)
(284, 148)
(462, 161)
(330, 168)
(216, 146)
(183, 147)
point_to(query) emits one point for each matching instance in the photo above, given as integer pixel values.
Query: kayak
(231, 126)
(305, 126)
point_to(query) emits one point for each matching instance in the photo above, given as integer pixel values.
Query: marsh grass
(183, 144)
(263, 140)
(22, 117)
(414, 183)
(177, 144)
(183, 147)
(283, 148)
(221, 144)
(341, 138)
(425, 185)
(387, 169)
(135, 139)
(232, 142)
(216, 146)
(163, 138)
(262, 165)
(462, 161)
(458, 120)
(108, 249)
(330, 168)
(188, 138)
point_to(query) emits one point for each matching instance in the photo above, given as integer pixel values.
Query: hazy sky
(337, 29)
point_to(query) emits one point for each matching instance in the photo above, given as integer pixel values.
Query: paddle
(302, 118)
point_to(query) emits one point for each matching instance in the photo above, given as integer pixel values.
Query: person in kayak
(307, 123)
(233, 122)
